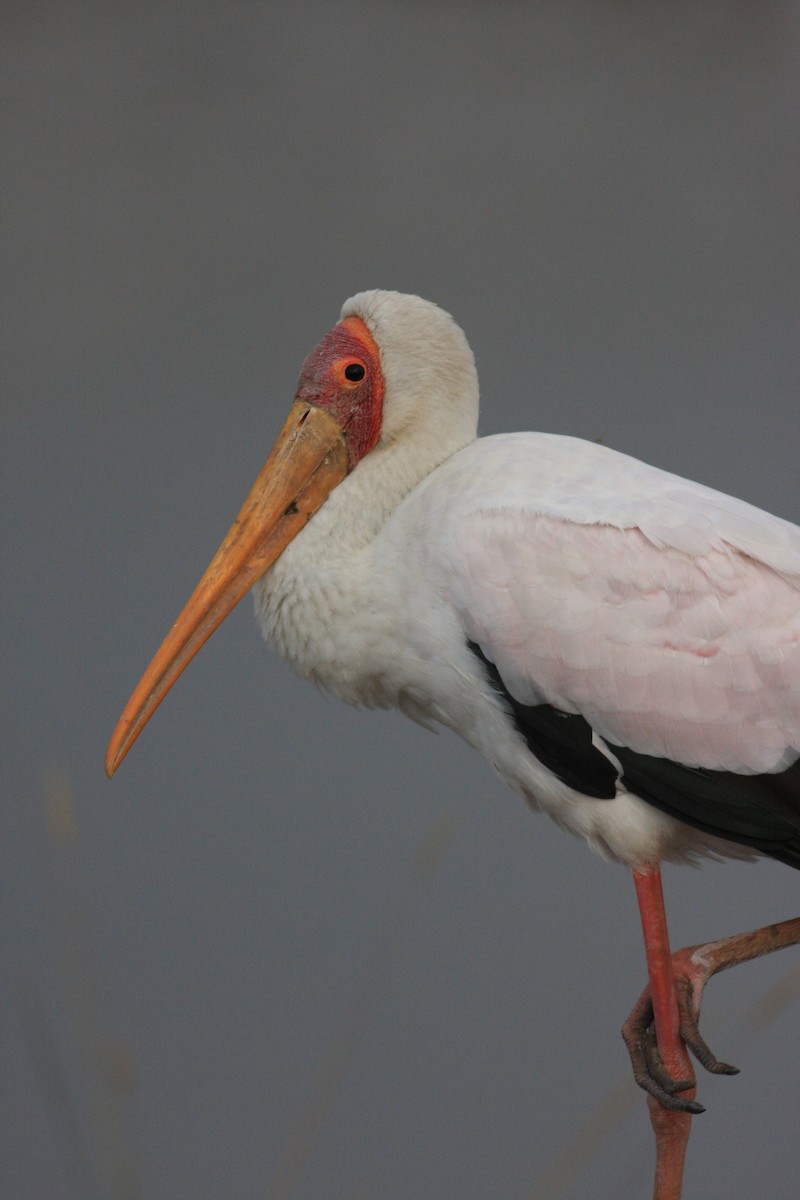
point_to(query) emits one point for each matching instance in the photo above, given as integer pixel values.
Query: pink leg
(671, 1125)
(665, 1021)
(692, 967)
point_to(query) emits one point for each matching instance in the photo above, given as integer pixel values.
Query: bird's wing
(665, 614)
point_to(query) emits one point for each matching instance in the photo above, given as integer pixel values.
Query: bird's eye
(355, 372)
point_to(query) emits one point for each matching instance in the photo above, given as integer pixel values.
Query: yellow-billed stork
(623, 645)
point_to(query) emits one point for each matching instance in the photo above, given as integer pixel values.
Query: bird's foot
(692, 968)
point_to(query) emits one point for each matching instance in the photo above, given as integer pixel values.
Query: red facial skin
(357, 405)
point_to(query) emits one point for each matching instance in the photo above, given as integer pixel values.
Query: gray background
(605, 196)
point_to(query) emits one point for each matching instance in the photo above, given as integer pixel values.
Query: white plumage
(621, 644)
(663, 612)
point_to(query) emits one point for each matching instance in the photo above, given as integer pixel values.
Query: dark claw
(648, 1070)
(656, 1072)
(705, 1057)
(663, 1092)
(690, 1033)
(658, 1083)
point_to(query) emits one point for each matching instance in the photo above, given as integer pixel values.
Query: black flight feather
(761, 811)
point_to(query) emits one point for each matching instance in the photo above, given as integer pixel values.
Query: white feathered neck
(323, 588)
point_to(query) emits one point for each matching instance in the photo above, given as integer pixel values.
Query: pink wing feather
(665, 613)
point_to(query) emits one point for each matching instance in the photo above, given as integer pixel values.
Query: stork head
(395, 373)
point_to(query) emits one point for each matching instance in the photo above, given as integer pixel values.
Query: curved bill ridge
(306, 463)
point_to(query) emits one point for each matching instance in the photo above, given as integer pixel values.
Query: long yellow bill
(306, 463)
